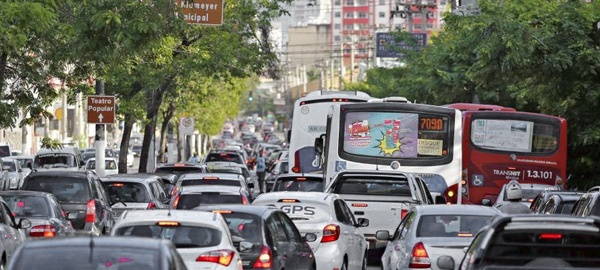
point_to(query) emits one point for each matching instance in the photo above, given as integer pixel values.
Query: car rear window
(66, 190)
(373, 186)
(181, 236)
(219, 182)
(82, 259)
(224, 157)
(519, 247)
(189, 201)
(108, 164)
(27, 206)
(298, 184)
(55, 160)
(127, 192)
(180, 170)
(243, 227)
(451, 225)
(10, 165)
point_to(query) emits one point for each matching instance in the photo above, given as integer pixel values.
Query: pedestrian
(260, 171)
(514, 194)
(194, 158)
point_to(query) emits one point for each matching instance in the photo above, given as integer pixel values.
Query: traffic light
(250, 98)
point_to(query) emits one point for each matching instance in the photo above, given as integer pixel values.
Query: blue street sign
(387, 46)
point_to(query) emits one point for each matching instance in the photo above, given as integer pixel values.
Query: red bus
(500, 144)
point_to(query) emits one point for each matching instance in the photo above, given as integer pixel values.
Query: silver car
(15, 172)
(434, 236)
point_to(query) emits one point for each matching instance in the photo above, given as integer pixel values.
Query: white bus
(423, 139)
(309, 120)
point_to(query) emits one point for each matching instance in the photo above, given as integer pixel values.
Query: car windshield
(27, 206)
(66, 190)
(374, 186)
(243, 227)
(284, 167)
(55, 160)
(181, 236)
(81, 258)
(299, 184)
(10, 165)
(451, 225)
(127, 192)
(109, 164)
(189, 201)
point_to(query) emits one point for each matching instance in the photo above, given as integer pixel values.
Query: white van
(66, 158)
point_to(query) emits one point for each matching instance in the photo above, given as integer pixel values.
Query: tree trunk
(128, 127)
(167, 116)
(3, 65)
(149, 129)
(179, 145)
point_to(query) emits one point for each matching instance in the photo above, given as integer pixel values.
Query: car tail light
(331, 233)
(553, 236)
(403, 213)
(244, 200)
(176, 200)
(42, 231)
(265, 259)
(151, 205)
(90, 211)
(222, 257)
(420, 258)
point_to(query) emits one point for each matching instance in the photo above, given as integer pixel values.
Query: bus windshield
(514, 135)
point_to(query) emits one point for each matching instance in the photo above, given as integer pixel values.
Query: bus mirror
(319, 146)
(288, 136)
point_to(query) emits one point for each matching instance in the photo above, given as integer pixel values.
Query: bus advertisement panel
(308, 123)
(500, 146)
(424, 139)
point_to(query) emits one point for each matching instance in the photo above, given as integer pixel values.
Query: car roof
(454, 209)
(140, 179)
(210, 188)
(294, 175)
(536, 221)
(179, 164)
(257, 210)
(58, 173)
(222, 176)
(145, 216)
(567, 197)
(24, 192)
(303, 196)
(104, 241)
(23, 156)
(372, 172)
(64, 149)
(105, 158)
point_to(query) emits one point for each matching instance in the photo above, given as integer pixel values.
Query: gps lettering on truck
(298, 209)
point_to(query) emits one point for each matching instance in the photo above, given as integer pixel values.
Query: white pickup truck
(383, 197)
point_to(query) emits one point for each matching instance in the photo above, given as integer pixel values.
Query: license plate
(117, 213)
(245, 263)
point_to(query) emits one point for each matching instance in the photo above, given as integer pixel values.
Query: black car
(559, 204)
(534, 242)
(48, 219)
(98, 253)
(81, 195)
(265, 237)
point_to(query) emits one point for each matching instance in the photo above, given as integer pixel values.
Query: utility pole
(100, 141)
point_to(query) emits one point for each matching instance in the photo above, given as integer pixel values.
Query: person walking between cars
(260, 171)
(514, 194)
(194, 158)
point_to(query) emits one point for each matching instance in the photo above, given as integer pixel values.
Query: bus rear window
(396, 135)
(514, 135)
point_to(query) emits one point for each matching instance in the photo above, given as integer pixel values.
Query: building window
(362, 15)
(337, 2)
(349, 15)
(362, 2)
(382, 2)
(382, 26)
(349, 26)
(381, 14)
(338, 14)
(347, 39)
(336, 38)
(362, 51)
(349, 2)
(417, 26)
(337, 26)
(430, 25)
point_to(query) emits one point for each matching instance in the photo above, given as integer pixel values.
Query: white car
(130, 156)
(202, 238)
(15, 172)
(339, 243)
(110, 165)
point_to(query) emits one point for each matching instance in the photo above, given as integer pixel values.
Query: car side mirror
(382, 235)
(310, 237)
(24, 224)
(246, 246)
(445, 262)
(439, 199)
(362, 222)
(250, 185)
(486, 202)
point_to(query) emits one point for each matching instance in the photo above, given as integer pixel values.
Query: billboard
(387, 46)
